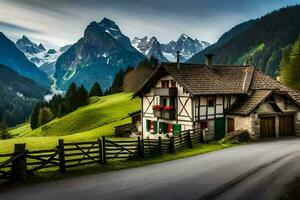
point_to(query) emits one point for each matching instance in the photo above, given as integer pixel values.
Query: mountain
(17, 96)
(12, 57)
(97, 56)
(167, 52)
(186, 45)
(259, 42)
(149, 47)
(39, 55)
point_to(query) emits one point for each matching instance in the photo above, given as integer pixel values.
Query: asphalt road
(255, 171)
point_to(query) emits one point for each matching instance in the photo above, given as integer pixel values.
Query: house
(130, 129)
(218, 99)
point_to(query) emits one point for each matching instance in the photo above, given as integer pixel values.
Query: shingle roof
(198, 79)
(262, 86)
(262, 81)
(247, 104)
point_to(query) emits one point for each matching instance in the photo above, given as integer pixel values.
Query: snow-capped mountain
(12, 57)
(39, 55)
(167, 52)
(149, 47)
(186, 45)
(97, 56)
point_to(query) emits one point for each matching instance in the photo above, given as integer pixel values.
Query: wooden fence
(21, 163)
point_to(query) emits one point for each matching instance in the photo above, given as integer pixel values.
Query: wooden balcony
(168, 114)
(157, 113)
(166, 92)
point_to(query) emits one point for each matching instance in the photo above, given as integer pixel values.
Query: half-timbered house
(219, 99)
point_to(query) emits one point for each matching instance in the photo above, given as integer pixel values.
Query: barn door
(267, 127)
(286, 125)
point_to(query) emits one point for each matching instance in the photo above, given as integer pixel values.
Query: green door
(219, 128)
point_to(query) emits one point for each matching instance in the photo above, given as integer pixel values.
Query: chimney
(209, 61)
(178, 63)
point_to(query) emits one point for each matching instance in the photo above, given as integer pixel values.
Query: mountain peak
(41, 46)
(108, 24)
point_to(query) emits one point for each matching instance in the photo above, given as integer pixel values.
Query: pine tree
(62, 110)
(96, 90)
(116, 86)
(82, 96)
(54, 103)
(71, 101)
(34, 118)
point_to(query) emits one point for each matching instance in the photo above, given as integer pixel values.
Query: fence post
(200, 135)
(139, 147)
(103, 150)
(189, 139)
(172, 146)
(142, 148)
(19, 165)
(159, 144)
(100, 151)
(61, 155)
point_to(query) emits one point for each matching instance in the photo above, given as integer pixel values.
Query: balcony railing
(167, 92)
(168, 114)
(164, 114)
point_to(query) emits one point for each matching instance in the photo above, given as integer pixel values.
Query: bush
(4, 132)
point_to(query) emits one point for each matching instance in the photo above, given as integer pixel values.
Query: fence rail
(17, 165)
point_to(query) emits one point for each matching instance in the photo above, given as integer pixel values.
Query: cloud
(12, 27)
(60, 22)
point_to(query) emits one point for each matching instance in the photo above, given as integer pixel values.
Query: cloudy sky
(60, 22)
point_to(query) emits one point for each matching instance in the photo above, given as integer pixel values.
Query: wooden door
(230, 125)
(219, 128)
(267, 127)
(286, 125)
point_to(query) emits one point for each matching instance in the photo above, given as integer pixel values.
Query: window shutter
(147, 125)
(155, 126)
(163, 127)
(176, 129)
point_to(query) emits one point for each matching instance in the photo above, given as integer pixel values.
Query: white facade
(190, 111)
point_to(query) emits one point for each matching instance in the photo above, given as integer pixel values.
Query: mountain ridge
(12, 57)
(97, 56)
(260, 43)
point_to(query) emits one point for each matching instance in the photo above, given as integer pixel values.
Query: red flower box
(157, 107)
(168, 108)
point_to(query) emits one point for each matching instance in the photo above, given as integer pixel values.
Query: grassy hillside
(86, 123)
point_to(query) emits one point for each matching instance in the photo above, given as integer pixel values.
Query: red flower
(156, 107)
(168, 108)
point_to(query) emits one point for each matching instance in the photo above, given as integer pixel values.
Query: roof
(246, 104)
(134, 112)
(251, 84)
(198, 79)
(262, 86)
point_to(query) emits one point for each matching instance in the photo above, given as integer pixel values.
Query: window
(163, 101)
(203, 125)
(163, 127)
(173, 84)
(165, 84)
(211, 102)
(170, 128)
(184, 91)
(151, 126)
